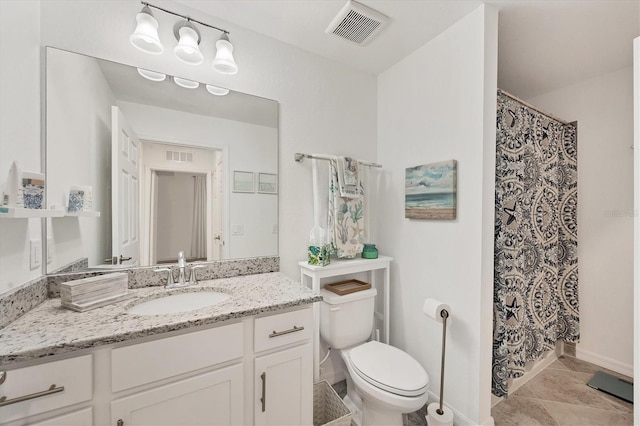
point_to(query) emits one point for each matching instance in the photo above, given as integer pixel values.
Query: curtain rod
(528, 105)
(300, 157)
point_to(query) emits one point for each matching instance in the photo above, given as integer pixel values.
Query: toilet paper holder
(440, 312)
(444, 314)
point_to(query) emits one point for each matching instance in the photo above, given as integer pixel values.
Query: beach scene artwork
(430, 191)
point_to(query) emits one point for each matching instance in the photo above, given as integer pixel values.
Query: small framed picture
(243, 181)
(267, 183)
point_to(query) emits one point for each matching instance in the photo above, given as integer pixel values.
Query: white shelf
(22, 213)
(83, 214)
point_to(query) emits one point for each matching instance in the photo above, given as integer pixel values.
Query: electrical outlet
(49, 249)
(35, 256)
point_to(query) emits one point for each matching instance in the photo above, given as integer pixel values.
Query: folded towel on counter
(346, 217)
(348, 177)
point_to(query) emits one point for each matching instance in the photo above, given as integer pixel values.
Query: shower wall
(603, 107)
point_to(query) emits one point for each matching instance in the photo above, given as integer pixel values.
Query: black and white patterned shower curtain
(536, 260)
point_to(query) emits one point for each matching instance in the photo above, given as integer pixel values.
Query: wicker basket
(328, 408)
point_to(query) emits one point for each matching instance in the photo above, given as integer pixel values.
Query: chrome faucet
(182, 274)
(182, 264)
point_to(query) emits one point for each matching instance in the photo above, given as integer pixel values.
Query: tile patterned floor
(560, 396)
(557, 396)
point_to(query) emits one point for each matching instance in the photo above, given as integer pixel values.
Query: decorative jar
(369, 251)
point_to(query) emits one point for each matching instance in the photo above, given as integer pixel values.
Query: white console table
(312, 275)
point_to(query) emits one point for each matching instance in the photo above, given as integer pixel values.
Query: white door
(214, 398)
(125, 188)
(284, 387)
(217, 204)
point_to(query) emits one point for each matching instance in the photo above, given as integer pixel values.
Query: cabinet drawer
(77, 418)
(283, 329)
(148, 362)
(74, 375)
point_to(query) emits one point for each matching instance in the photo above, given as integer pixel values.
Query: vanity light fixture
(152, 75)
(145, 38)
(215, 90)
(187, 49)
(187, 84)
(224, 62)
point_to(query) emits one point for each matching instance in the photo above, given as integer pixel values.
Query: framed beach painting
(430, 191)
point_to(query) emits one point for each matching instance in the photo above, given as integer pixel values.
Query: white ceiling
(543, 44)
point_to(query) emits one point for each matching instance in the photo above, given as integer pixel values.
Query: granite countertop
(49, 329)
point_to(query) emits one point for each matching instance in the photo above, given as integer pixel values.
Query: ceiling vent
(357, 23)
(179, 156)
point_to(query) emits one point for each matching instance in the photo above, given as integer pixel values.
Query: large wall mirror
(147, 165)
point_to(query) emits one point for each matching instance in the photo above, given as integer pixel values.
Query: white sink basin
(178, 302)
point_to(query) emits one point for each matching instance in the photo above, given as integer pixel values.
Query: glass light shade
(187, 84)
(218, 91)
(145, 37)
(187, 49)
(152, 75)
(224, 62)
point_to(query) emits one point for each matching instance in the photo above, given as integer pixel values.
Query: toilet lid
(389, 368)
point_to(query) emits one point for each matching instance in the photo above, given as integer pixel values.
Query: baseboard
(605, 362)
(460, 419)
(533, 369)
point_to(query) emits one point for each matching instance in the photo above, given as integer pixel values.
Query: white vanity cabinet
(213, 398)
(210, 398)
(206, 376)
(284, 369)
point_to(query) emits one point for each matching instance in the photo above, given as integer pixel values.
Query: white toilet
(382, 381)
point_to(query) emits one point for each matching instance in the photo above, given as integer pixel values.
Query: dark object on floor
(612, 385)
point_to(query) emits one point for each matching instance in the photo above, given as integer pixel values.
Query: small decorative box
(319, 255)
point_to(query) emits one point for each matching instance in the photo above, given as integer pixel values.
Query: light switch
(274, 230)
(237, 229)
(35, 257)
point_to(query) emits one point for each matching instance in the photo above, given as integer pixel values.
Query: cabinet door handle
(281, 333)
(263, 376)
(52, 389)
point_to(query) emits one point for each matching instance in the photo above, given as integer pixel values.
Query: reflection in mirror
(148, 167)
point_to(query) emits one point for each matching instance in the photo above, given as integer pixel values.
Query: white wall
(603, 108)
(324, 106)
(78, 130)
(19, 128)
(439, 104)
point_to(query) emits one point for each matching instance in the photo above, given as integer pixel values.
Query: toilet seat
(389, 369)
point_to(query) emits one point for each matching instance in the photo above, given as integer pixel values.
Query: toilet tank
(346, 320)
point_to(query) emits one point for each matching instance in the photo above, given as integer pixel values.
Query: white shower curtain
(199, 223)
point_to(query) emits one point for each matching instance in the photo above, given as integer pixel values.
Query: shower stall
(535, 249)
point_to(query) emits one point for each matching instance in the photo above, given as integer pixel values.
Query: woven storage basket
(328, 408)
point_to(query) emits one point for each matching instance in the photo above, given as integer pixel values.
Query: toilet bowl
(383, 382)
